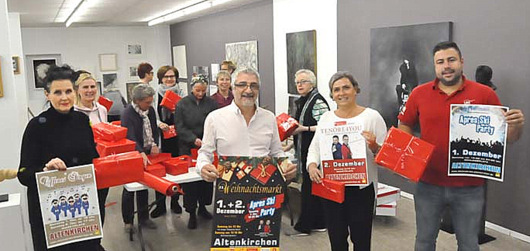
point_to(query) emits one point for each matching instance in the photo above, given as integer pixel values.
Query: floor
(389, 233)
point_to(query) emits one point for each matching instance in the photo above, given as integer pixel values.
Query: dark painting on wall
(40, 68)
(292, 106)
(130, 86)
(301, 54)
(401, 59)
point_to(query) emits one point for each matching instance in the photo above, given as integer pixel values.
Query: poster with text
(69, 205)
(477, 141)
(343, 152)
(248, 199)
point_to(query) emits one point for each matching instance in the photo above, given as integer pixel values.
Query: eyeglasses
(302, 82)
(170, 76)
(244, 85)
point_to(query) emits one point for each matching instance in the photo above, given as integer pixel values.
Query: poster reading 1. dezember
(248, 197)
(477, 141)
(69, 205)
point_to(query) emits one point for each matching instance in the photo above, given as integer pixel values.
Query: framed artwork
(40, 68)
(400, 60)
(1, 83)
(202, 70)
(16, 65)
(179, 60)
(100, 90)
(130, 86)
(301, 54)
(243, 54)
(133, 72)
(108, 62)
(135, 49)
(110, 80)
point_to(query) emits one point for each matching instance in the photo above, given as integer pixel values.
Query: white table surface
(191, 176)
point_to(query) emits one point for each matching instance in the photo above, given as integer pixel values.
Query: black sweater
(189, 120)
(135, 126)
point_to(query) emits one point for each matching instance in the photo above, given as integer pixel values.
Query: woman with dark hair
(354, 216)
(140, 120)
(190, 115)
(56, 139)
(167, 81)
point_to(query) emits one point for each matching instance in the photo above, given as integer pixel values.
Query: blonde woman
(86, 93)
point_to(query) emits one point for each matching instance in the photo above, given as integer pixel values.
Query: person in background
(56, 139)
(140, 120)
(354, 216)
(429, 105)
(483, 75)
(86, 102)
(224, 95)
(167, 81)
(190, 114)
(145, 73)
(228, 66)
(309, 107)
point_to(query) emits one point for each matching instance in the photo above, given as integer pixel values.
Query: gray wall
(205, 40)
(496, 33)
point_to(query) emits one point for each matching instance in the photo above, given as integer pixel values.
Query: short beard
(457, 77)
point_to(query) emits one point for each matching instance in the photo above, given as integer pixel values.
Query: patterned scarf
(148, 133)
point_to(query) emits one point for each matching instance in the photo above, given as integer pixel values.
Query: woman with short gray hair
(140, 120)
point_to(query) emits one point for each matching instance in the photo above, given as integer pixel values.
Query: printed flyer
(477, 141)
(69, 205)
(343, 152)
(248, 202)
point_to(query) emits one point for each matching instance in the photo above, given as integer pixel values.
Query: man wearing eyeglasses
(240, 129)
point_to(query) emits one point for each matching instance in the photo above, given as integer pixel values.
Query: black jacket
(135, 129)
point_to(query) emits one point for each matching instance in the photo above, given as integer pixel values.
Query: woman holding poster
(363, 131)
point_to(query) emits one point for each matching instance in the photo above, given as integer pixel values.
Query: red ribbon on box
(107, 103)
(404, 154)
(170, 133)
(109, 132)
(106, 148)
(161, 185)
(329, 189)
(178, 165)
(158, 170)
(286, 125)
(119, 169)
(263, 173)
(170, 100)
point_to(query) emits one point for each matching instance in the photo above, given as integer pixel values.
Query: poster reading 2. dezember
(69, 205)
(248, 197)
(477, 141)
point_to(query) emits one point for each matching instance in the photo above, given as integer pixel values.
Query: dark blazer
(134, 124)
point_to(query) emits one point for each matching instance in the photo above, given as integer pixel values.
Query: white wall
(301, 15)
(80, 48)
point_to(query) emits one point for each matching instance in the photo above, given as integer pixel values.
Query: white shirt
(226, 131)
(372, 122)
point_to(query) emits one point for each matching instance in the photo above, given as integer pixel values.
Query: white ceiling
(51, 13)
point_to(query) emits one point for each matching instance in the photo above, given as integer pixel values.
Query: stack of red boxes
(107, 103)
(286, 125)
(387, 197)
(329, 189)
(404, 154)
(178, 165)
(110, 139)
(170, 100)
(115, 170)
(156, 168)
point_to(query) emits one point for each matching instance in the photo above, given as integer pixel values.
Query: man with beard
(429, 105)
(240, 129)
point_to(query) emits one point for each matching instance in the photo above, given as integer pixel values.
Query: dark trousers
(127, 206)
(312, 212)
(354, 217)
(161, 203)
(102, 199)
(200, 192)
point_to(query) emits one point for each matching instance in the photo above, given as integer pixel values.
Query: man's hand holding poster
(248, 199)
(477, 141)
(69, 205)
(343, 152)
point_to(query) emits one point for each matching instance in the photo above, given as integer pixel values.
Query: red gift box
(158, 170)
(178, 165)
(157, 158)
(107, 103)
(109, 132)
(329, 189)
(263, 174)
(170, 100)
(116, 122)
(286, 125)
(170, 133)
(119, 169)
(195, 155)
(404, 154)
(106, 148)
